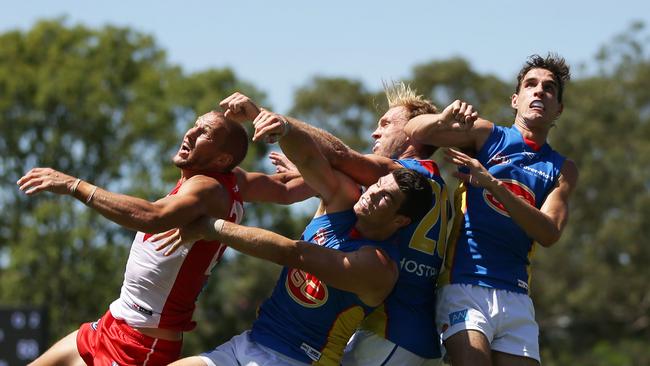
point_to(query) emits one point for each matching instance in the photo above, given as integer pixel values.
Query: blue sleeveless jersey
(306, 319)
(492, 250)
(407, 317)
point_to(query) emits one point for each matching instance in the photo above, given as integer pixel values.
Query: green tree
(104, 105)
(593, 301)
(341, 106)
(443, 81)
(91, 103)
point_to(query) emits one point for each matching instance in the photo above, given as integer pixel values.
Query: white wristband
(90, 196)
(218, 225)
(75, 185)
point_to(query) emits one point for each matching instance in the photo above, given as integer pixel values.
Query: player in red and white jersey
(144, 325)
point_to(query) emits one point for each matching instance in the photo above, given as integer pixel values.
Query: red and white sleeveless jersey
(160, 291)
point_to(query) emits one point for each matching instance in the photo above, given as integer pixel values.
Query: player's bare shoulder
(207, 189)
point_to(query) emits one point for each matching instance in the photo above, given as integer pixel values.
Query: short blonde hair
(400, 94)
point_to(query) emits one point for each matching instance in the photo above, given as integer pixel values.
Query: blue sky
(278, 45)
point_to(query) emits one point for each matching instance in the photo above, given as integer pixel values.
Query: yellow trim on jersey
(376, 322)
(342, 329)
(460, 207)
(529, 270)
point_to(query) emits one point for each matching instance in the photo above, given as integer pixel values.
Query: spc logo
(305, 288)
(321, 237)
(513, 186)
(498, 159)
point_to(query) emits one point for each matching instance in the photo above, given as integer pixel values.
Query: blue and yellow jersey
(407, 317)
(305, 318)
(492, 250)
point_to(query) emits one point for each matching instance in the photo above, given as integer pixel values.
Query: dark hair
(235, 142)
(418, 196)
(553, 63)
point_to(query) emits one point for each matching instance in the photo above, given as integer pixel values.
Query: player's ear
(401, 220)
(224, 160)
(513, 100)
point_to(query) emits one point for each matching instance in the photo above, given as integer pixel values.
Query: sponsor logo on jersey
(529, 155)
(418, 269)
(519, 189)
(94, 325)
(458, 317)
(536, 172)
(498, 159)
(142, 310)
(320, 237)
(522, 284)
(305, 289)
(311, 352)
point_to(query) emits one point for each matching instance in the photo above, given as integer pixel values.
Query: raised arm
(543, 225)
(457, 125)
(284, 188)
(363, 169)
(198, 196)
(300, 148)
(373, 271)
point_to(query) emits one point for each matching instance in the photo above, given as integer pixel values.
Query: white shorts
(367, 348)
(240, 350)
(506, 318)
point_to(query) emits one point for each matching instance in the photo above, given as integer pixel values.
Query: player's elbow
(290, 255)
(550, 238)
(152, 220)
(148, 222)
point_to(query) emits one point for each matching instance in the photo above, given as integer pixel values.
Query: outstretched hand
(239, 107)
(478, 176)
(460, 115)
(282, 163)
(46, 179)
(270, 127)
(187, 235)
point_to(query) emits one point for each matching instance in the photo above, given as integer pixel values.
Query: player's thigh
(518, 334)
(468, 348)
(190, 361)
(63, 352)
(506, 359)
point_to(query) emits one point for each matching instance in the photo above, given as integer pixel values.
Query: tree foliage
(106, 105)
(341, 106)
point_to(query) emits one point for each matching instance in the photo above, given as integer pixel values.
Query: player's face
(537, 102)
(380, 202)
(390, 139)
(200, 145)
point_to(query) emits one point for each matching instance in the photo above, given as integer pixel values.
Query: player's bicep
(257, 187)
(284, 188)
